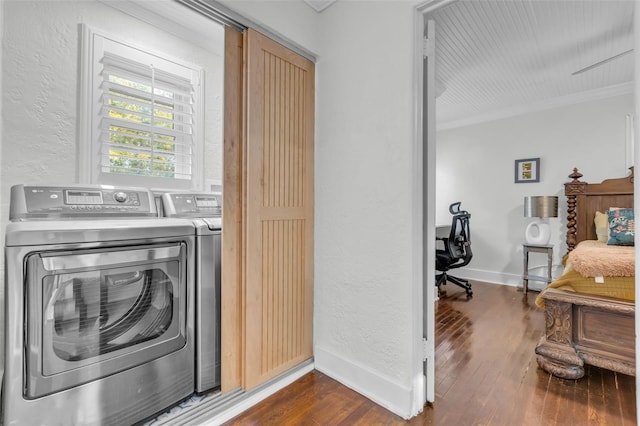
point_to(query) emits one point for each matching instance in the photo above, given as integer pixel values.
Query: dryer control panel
(185, 204)
(48, 202)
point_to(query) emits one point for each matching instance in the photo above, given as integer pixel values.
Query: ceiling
(498, 58)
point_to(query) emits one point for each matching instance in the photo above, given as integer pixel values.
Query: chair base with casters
(441, 279)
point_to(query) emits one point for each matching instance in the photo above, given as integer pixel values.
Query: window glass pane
(147, 119)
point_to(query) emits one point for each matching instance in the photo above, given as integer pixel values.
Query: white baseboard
(488, 276)
(381, 390)
(513, 280)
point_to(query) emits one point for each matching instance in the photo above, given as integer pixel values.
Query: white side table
(528, 248)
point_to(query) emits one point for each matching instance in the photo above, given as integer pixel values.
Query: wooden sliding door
(278, 214)
(232, 217)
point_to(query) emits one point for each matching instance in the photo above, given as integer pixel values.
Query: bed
(585, 323)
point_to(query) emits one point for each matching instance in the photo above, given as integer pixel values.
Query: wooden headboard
(584, 199)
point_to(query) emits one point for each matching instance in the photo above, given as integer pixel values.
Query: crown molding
(576, 98)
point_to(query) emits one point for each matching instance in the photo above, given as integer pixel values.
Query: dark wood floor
(486, 374)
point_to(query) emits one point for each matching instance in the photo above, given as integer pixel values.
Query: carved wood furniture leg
(555, 353)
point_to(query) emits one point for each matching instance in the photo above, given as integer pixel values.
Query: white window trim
(88, 170)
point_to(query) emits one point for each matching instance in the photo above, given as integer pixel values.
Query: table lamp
(538, 232)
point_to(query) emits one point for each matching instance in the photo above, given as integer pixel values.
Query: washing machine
(205, 210)
(98, 309)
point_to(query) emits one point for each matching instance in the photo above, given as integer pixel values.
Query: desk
(527, 248)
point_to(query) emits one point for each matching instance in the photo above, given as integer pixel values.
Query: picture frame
(527, 170)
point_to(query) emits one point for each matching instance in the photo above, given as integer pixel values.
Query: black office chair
(457, 249)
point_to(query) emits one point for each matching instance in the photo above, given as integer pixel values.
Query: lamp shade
(541, 206)
(539, 232)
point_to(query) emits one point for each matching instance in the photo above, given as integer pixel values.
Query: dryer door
(92, 313)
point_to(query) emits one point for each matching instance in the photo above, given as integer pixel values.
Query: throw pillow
(602, 226)
(621, 227)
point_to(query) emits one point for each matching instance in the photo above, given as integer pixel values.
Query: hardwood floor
(486, 374)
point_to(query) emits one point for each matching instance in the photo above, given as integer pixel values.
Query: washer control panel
(43, 202)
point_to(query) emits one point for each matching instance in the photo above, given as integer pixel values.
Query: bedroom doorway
(431, 6)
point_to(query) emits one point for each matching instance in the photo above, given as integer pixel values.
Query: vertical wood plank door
(279, 209)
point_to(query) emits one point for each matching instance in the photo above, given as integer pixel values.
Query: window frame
(89, 156)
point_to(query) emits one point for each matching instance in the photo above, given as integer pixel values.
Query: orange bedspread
(592, 258)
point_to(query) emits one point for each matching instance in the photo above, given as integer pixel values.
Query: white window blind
(146, 120)
(146, 117)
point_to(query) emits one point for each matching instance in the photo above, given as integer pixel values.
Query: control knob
(120, 197)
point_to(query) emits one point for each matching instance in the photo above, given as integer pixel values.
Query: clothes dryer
(99, 307)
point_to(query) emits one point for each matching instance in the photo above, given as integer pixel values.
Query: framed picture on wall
(528, 170)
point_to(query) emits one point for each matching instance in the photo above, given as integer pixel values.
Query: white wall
(2, 195)
(364, 180)
(39, 96)
(475, 165)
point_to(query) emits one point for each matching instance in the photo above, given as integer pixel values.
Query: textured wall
(363, 233)
(40, 74)
(39, 77)
(364, 189)
(39, 80)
